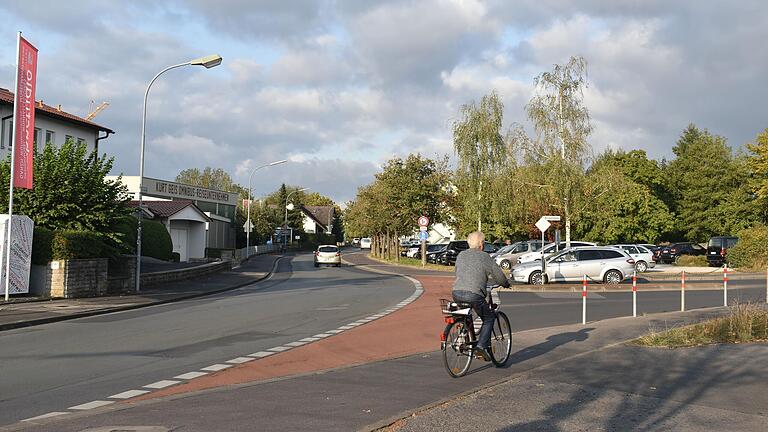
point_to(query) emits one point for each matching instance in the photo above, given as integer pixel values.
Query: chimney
(58, 108)
(40, 103)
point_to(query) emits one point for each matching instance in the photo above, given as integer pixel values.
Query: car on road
(717, 249)
(670, 254)
(643, 256)
(599, 263)
(365, 243)
(549, 249)
(327, 255)
(356, 242)
(508, 258)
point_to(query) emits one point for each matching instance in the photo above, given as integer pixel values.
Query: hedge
(155, 241)
(42, 240)
(751, 251)
(78, 245)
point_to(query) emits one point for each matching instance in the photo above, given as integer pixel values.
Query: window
(588, 255)
(81, 141)
(327, 249)
(630, 249)
(566, 257)
(38, 136)
(643, 249)
(69, 138)
(607, 254)
(50, 137)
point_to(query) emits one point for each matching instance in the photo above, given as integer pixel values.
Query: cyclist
(474, 268)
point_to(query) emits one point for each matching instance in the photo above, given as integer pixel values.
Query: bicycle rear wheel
(457, 349)
(501, 340)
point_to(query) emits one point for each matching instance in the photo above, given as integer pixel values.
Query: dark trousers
(483, 310)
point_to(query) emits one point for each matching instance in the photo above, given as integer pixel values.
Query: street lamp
(250, 195)
(207, 62)
(285, 222)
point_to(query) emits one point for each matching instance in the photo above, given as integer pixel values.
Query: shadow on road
(550, 344)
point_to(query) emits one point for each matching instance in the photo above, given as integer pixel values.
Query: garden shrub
(42, 239)
(751, 251)
(78, 245)
(155, 241)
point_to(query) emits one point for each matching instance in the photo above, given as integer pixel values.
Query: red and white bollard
(634, 294)
(725, 285)
(682, 292)
(584, 301)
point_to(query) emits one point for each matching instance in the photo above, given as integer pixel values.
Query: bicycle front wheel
(457, 349)
(501, 340)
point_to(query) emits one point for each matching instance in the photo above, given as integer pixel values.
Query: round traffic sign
(423, 221)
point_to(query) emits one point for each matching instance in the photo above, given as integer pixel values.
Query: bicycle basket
(447, 306)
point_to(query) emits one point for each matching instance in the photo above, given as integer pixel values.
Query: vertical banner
(24, 125)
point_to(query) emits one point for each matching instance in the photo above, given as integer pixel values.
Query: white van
(365, 243)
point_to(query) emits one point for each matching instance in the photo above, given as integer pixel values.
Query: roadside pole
(725, 285)
(584, 301)
(423, 222)
(634, 294)
(682, 292)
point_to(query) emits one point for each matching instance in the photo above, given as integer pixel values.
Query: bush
(42, 241)
(78, 245)
(126, 229)
(155, 241)
(692, 261)
(752, 249)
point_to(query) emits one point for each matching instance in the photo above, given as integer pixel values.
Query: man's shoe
(484, 353)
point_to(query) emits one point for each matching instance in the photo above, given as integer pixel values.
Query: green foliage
(692, 261)
(126, 228)
(42, 242)
(70, 192)
(751, 251)
(68, 245)
(155, 240)
(758, 164)
(210, 178)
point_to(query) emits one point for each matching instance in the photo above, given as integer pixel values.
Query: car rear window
(586, 255)
(607, 254)
(327, 249)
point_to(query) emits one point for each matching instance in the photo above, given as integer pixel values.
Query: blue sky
(340, 86)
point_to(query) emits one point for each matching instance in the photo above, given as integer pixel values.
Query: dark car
(673, 252)
(717, 249)
(448, 256)
(432, 251)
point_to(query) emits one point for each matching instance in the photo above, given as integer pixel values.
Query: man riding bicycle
(474, 268)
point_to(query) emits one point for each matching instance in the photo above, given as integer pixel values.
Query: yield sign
(543, 225)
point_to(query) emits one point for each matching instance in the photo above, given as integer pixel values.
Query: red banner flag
(24, 125)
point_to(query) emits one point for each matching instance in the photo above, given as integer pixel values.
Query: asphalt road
(56, 366)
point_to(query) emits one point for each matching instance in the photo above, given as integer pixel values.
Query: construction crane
(96, 112)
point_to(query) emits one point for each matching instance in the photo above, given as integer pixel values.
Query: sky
(339, 87)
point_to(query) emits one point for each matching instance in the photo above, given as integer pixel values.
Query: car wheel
(641, 266)
(612, 277)
(505, 264)
(536, 278)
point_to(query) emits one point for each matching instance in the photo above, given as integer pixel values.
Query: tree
(211, 178)
(70, 192)
(758, 164)
(481, 152)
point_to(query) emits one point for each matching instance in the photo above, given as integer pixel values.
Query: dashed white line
(322, 335)
(309, 339)
(161, 384)
(335, 331)
(346, 327)
(240, 360)
(216, 367)
(91, 405)
(279, 349)
(190, 375)
(295, 344)
(261, 354)
(129, 394)
(45, 416)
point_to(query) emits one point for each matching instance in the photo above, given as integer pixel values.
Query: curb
(48, 320)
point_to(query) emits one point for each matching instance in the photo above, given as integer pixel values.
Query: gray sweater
(474, 268)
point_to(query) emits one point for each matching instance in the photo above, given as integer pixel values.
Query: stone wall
(76, 278)
(157, 278)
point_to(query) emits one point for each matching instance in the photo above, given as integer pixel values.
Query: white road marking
(191, 375)
(240, 360)
(91, 405)
(45, 416)
(129, 394)
(216, 367)
(295, 344)
(279, 349)
(261, 354)
(335, 331)
(346, 327)
(161, 384)
(321, 335)
(309, 339)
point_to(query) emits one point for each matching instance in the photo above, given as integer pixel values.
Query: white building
(318, 219)
(51, 125)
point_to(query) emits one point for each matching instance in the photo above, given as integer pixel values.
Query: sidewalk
(24, 314)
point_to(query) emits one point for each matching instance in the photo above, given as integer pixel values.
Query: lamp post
(208, 62)
(285, 221)
(250, 196)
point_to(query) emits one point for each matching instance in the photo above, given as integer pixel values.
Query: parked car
(717, 249)
(328, 255)
(643, 256)
(356, 242)
(503, 249)
(448, 256)
(506, 259)
(434, 255)
(549, 249)
(415, 252)
(607, 264)
(365, 243)
(673, 252)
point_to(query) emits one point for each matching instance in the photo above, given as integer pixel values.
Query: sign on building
(21, 253)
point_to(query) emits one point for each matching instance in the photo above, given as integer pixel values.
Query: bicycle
(459, 339)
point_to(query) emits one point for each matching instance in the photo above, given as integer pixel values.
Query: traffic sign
(543, 224)
(423, 236)
(551, 218)
(422, 228)
(248, 226)
(423, 221)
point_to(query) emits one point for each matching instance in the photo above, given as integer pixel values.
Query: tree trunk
(397, 250)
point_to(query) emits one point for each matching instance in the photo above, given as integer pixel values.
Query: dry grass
(412, 262)
(744, 323)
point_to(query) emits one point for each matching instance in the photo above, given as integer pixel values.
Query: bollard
(682, 292)
(725, 285)
(584, 301)
(634, 294)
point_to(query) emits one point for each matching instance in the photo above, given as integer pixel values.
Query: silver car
(549, 249)
(607, 264)
(328, 255)
(643, 256)
(508, 258)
